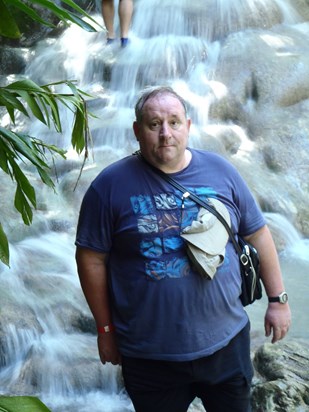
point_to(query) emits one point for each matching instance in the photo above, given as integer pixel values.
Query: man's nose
(165, 130)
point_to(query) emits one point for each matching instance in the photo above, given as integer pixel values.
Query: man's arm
(278, 315)
(92, 273)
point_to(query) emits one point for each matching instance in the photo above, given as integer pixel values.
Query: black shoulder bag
(251, 287)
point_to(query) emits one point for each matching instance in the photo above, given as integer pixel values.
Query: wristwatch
(282, 298)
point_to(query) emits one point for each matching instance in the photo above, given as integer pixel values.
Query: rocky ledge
(281, 383)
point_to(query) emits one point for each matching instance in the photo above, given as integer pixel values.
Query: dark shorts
(222, 381)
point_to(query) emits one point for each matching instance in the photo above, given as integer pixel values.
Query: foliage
(9, 27)
(42, 102)
(21, 404)
(28, 98)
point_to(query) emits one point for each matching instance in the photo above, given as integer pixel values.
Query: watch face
(283, 297)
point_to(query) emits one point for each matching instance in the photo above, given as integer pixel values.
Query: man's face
(163, 132)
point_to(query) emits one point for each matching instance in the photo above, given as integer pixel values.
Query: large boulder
(266, 77)
(283, 377)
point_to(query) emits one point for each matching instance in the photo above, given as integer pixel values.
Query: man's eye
(174, 124)
(154, 125)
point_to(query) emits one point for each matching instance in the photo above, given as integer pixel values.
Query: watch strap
(274, 299)
(282, 298)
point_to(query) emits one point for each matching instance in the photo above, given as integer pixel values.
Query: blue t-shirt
(162, 308)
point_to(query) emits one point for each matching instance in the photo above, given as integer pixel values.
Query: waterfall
(47, 335)
(43, 350)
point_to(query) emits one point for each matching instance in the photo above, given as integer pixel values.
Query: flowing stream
(48, 346)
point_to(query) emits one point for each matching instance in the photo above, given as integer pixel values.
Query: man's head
(162, 128)
(154, 91)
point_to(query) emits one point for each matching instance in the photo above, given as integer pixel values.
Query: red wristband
(106, 329)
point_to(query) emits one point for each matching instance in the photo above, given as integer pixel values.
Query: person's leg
(157, 386)
(108, 13)
(165, 400)
(230, 396)
(125, 11)
(223, 380)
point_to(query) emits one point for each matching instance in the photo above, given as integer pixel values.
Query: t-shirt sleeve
(94, 224)
(251, 217)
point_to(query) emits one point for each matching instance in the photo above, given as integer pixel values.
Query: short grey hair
(153, 91)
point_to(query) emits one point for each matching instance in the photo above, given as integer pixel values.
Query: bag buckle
(245, 256)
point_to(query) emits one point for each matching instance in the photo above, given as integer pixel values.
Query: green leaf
(22, 205)
(77, 141)
(64, 14)
(79, 9)
(30, 12)
(4, 250)
(24, 184)
(22, 404)
(33, 105)
(81, 23)
(7, 155)
(26, 84)
(51, 148)
(21, 145)
(71, 85)
(11, 113)
(45, 178)
(50, 101)
(3, 156)
(8, 98)
(8, 26)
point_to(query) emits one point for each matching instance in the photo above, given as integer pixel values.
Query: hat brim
(213, 240)
(206, 265)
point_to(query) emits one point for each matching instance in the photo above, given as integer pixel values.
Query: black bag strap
(196, 199)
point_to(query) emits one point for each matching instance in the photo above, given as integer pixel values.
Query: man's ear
(136, 130)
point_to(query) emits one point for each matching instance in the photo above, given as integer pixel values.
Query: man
(125, 11)
(177, 335)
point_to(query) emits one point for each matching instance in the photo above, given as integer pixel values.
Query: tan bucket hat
(206, 239)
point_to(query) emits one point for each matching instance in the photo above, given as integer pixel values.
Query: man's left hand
(277, 320)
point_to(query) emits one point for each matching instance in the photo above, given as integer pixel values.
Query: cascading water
(48, 344)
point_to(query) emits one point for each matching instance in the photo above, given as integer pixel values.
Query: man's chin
(167, 152)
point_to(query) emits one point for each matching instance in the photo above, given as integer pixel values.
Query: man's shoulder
(122, 172)
(121, 166)
(213, 157)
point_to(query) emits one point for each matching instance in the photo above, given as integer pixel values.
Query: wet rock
(266, 75)
(283, 377)
(302, 6)
(13, 60)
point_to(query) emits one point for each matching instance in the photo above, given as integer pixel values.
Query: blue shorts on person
(222, 381)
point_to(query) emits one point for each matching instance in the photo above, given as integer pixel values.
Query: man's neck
(170, 168)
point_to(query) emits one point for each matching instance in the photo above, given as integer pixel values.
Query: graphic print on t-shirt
(160, 219)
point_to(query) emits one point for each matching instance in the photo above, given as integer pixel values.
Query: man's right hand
(108, 349)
